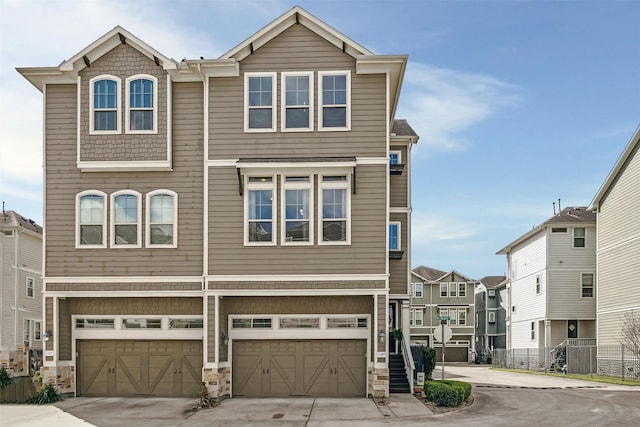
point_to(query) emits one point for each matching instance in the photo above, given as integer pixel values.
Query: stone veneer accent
(17, 361)
(379, 383)
(63, 377)
(218, 382)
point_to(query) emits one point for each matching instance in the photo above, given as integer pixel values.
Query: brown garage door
(317, 368)
(452, 354)
(130, 368)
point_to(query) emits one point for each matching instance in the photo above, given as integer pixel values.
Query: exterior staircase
(398, 382)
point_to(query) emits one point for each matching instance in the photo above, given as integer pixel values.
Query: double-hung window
(586, 285)
(259, 102)
(335, 201)
(579, 237)
(462, 289)
(444, 287)
(395, 157)
(297, 101)
(260, 203)
(417, 289)
(297, 210)
(418, 315)
(104, 99)
(533, 331)
(142, 111)
(125, 219)
(492, 317)
(162, 214)
(91, 217)
(538, 285)
(30, 287)
(334, 93)
(394, 236)
(453, 289)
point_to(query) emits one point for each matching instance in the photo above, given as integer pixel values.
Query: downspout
(1, 293)
(16, 280)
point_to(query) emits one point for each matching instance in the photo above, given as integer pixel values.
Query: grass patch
(584, 377)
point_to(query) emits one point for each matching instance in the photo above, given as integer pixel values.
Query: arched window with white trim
(142, 104)
(91, 219)
(162, 219)
(125, 219)
(104, 109)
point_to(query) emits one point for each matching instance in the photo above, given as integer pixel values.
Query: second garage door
(130, 368)
(317, 368)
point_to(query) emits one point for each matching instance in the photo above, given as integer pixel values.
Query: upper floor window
(492, 317)
(538, 285)
(162, 214)
(125, 219)
(142, 109)
(453, 289)
(297, 208)
(334, 92)
(587, 285)
(417, 316)
(335, 200)
(462, 289)
(259, 210)
(91, 217)
(533, 331)
(444, 289)
(260, 101)
(297, 101)
(417, 290)
(579, 237)
(104, 104)
(30, 287)
(395, 157)
(394, 236)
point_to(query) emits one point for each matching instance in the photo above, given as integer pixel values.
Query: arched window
(125, 219)
(162, 219)
(142, 109)
(91, 218)
(105, 104)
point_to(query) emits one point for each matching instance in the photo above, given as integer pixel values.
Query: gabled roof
(402, 128)
(433, 275)
(295, 16)
(68, 69)
(492, 282)
(12, 219)
(631, 150)
(569, 216)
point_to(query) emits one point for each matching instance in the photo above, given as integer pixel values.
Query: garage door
(453, 354)
(316, 368)
(133, 368)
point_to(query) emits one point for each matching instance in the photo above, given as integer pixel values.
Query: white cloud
(430, 228)
(441, 103)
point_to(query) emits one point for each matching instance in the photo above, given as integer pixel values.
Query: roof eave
(392, 65)
(39, 76)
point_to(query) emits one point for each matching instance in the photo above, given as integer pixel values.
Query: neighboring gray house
(552, 281)
(617, 205)
(440, 293)
(242, 221)
(491, 315)
(20, 287)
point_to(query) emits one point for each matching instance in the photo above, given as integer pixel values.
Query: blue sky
(517, 103)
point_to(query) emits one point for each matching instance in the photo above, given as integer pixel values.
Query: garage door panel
(95, 380)
(248, 368)
(161, 375)
(316, 370)
(282, 370)
(129, 375)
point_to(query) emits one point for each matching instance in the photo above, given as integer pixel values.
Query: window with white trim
(104, 105)
(579, 237)
(453, 289)
(395, 157)
(444, 289)
(533, 331)
(259, 102)
(26, 332)
(334, 100)
(142, 106)
(125, 219)
(462, 289)
(296, 100)
(162, 219)
(91, 219)
(297, 210)
(418, 317)
(492, 317)
(394, 236)
(417, 289)
(37, 330)
(260, 203)
(30, 287)
(538, 285)
(335, 202)
(462, 317)
(457, 316)
(587, 285)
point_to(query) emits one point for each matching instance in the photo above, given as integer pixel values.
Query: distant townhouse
(552, 281)
(491, 306)
(21, 327)
(242, 221)
(617, 205)
(440, 294)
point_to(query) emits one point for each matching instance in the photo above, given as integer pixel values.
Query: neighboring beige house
(20, 290)
(617, 205)
(447, 294)
(551, 273)
(242, 221)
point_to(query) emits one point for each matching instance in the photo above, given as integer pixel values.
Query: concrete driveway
(501, 398)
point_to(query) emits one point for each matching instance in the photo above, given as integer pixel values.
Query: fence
(611, 361)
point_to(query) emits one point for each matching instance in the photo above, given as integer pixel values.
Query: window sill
(396, 169)
(396, 254)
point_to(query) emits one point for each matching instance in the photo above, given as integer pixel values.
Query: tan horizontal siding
(297, 49)
(346, 284)
(137, 305)
(399, 268)
(64, 181)
(118, 287)
(618, 270)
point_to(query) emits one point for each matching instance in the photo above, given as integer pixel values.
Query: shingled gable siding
(398, 268)
(366, 254)
(64, 181)
(123, 61)
(297, 49)
(399, 183)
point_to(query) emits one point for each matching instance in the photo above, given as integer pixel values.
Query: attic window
(559, 230)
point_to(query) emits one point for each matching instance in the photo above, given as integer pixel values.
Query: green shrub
(429, 361)
(463, 389)
(447, 392)
(48, 394)
(5, 377)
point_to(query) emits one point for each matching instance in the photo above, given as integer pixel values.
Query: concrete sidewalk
(38, 415)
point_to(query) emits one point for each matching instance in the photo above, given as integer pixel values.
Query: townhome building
(439, 296)
(617, 205)
(552, 284)
(21, 329)
(241, 221)
(491, 304)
